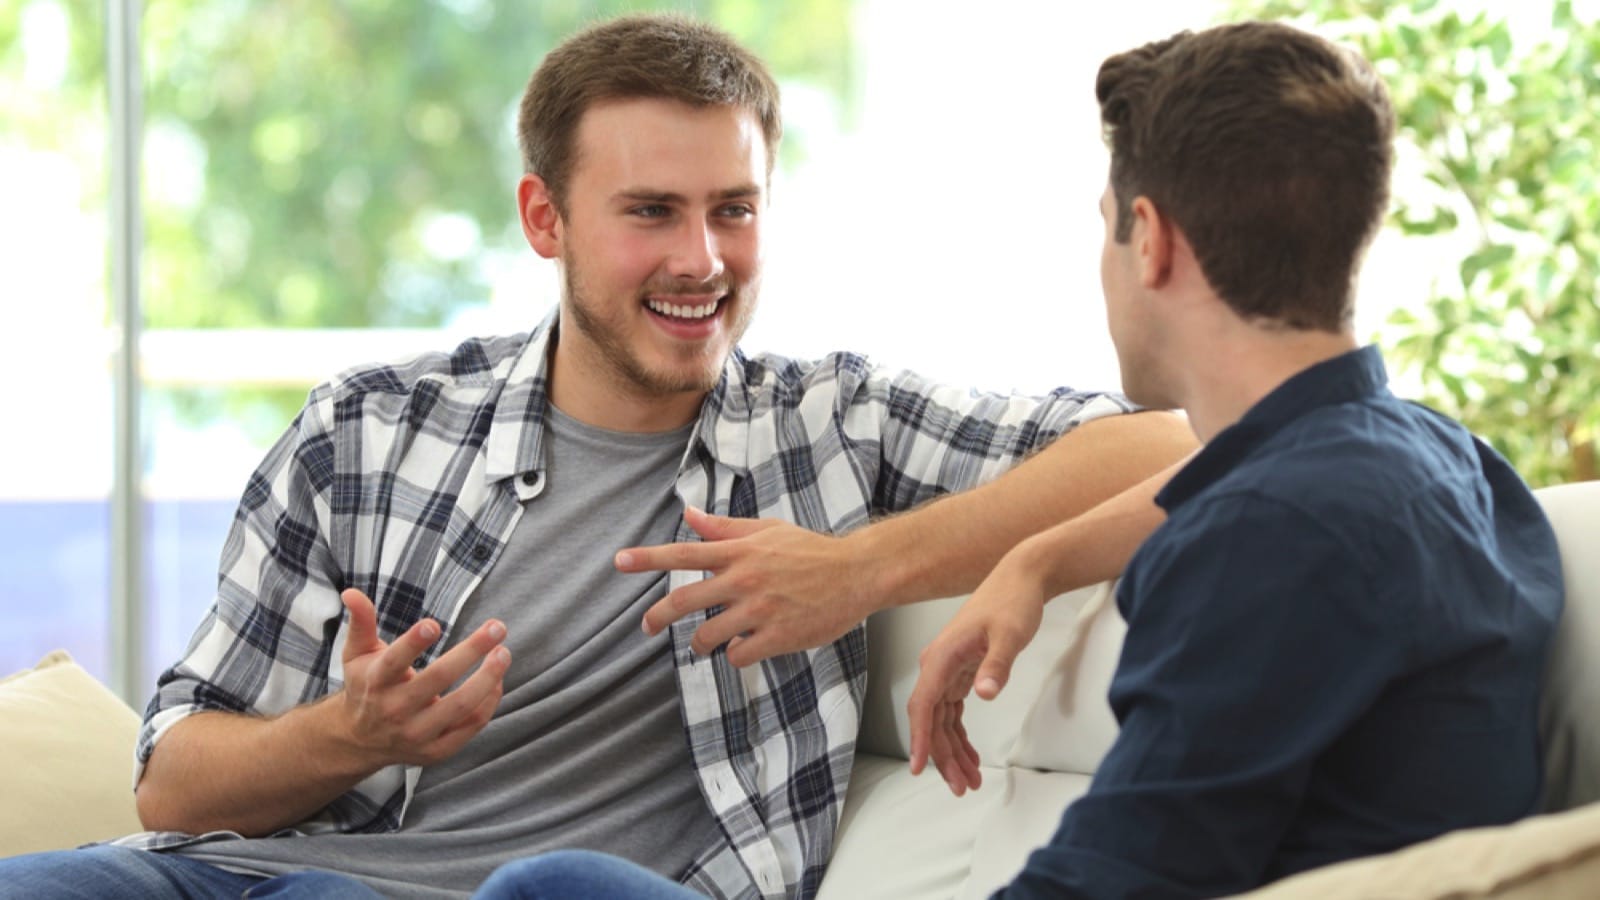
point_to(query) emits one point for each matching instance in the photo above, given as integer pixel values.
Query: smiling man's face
(660, 243)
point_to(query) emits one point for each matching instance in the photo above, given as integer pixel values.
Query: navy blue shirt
(1334, 649)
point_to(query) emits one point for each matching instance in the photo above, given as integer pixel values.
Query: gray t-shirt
(587, 747)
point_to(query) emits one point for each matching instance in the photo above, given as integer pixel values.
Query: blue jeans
(578, 875)
(99, 872)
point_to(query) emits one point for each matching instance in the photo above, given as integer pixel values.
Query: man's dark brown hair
(1270, 148)
(647, 56)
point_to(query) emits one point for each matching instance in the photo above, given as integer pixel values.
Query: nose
(695, 254)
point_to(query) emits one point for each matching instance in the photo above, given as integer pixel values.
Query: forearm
(1096, 484)
(1097, 545)
(253, 775)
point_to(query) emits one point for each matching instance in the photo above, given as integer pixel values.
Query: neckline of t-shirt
(569, 427)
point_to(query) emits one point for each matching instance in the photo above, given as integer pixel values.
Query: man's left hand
(782, 588)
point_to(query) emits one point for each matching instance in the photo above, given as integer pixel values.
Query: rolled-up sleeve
(267, 642)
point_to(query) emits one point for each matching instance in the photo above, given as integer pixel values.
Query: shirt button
(481, 552)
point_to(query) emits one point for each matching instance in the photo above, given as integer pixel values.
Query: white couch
(64, 766)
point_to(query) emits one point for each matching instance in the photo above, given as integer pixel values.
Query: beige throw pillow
(66, 759)
(1550, 857)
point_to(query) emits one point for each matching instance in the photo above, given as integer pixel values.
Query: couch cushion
(1569, 716)
(1053, 713)
(1552, 857)
(905, 838)
(66, 761)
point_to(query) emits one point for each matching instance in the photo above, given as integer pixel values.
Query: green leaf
(1487, 259)
(1499, 44)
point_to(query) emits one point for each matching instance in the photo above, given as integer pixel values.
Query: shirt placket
(726, 794)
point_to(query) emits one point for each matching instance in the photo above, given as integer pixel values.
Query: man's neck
(604, 399)
(1247, 365)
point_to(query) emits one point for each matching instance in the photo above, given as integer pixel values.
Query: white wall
(956, 232)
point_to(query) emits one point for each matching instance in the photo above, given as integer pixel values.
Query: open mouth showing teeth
(675, 311)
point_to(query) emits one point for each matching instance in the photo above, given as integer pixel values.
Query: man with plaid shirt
(414, 671)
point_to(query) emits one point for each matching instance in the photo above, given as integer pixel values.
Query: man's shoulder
(758, 384)
(1374, 481)
(1366, 456)
(776, 371)
(474, 364)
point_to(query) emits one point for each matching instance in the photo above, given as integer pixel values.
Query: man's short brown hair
(1270, 148)
(645, 56)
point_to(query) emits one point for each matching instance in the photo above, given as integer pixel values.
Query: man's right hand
(257, 774)
(397, 714)
(974, 652)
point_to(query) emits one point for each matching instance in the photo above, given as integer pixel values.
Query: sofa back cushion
(908, 837)
(1569, 716)
(1052, 714)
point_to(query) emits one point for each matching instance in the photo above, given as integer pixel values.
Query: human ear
(541, 222)
(1153, 243)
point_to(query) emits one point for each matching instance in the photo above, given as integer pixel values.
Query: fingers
(706, 555)
(920, 714)
(469, 706)
(415, 717)
(692, 556)
(363, 635)
(456, 737)
(995, 670)
(749, 649)
(952, 750)
(450, 667)
(681, 602)
(966, 755)
(945, 757)
(720, 629)
(942, 677)
(394, 663)
(721, 528)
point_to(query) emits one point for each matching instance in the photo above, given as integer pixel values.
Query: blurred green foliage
(1501, 118)
(345, 163)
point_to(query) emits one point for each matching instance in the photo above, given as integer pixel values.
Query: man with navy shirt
(1335, 641)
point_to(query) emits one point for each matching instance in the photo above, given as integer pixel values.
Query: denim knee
(106, 871)
(564, 874)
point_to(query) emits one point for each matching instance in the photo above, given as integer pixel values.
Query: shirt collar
(1356, 375)
(516, 436)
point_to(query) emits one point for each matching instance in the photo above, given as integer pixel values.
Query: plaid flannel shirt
(406, 481)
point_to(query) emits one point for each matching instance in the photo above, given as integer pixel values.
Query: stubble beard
(626, 367)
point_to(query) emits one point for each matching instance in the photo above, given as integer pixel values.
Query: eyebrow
(645, 195)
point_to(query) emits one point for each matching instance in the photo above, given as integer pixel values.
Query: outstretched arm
(786, 589)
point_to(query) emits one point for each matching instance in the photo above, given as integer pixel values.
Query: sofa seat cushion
(908, 838)
(67, 762)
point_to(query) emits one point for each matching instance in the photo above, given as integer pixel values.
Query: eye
(737, 211)
(650, 211)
